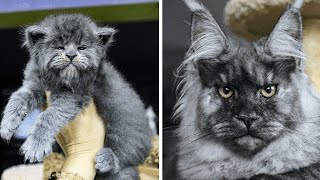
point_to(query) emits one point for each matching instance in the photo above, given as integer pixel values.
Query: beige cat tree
(252, 19)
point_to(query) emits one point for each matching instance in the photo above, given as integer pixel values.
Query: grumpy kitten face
(68, 47)
(248, 96)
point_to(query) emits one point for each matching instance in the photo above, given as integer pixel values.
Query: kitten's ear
(105, 34)
(286, 38)
(33, 35)
(207, 38)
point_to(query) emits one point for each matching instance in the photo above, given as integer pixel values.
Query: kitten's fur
(286, 127)
(52, 44)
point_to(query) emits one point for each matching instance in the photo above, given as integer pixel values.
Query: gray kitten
(68, 58)
(246, 108)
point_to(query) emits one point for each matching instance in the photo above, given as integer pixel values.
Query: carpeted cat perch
(252, 19)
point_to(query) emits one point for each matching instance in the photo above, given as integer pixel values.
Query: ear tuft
(105, 34)
(286, 38)
(207, 38)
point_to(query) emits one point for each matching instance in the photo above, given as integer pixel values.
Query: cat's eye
(268, 91)
(225, 92)
(81, 48)
(60, 48)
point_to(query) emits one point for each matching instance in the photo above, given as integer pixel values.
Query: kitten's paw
(6, 133)
(12, 118)
(35, 149)
(107, 161)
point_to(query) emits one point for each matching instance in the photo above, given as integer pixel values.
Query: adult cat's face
(247, 101)
(68, 46)
(245, 93)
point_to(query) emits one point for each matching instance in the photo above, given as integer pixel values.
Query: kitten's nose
(71, 56)
(247, 120)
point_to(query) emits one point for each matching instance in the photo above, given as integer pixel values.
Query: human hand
(80, 141)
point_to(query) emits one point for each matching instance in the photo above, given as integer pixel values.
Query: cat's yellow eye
(225, 92)
(268, 91)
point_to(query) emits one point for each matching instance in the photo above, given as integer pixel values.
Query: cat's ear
(105, 35)
(34, 34)
(207, 38)
(286, 38)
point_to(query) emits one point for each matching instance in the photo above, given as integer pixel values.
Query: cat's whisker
(200, 138)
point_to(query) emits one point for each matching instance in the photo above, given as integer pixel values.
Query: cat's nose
(71, 56)
(247, 120)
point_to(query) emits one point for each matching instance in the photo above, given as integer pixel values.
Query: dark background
(176, 35)
(135, 53)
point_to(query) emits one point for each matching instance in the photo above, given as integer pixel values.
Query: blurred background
(176, 36)
(135, 52)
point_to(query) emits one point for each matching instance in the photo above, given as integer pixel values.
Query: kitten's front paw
(35, 149)
(12, 117)
(107, 161)
(6, 133)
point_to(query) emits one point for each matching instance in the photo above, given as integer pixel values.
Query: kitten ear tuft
(286, 38)
(33, 35)
(105, 34)
(207, 38)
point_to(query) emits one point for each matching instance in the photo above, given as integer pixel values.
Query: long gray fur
(286, 126)
(53, 44)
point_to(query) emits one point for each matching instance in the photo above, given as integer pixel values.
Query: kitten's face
(70, 52)
(68, 47)
(246, 101)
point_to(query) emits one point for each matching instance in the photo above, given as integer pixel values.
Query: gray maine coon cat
(247, 109)
(68, 58)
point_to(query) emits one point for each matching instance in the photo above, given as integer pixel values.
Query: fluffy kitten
(246, 108)
(68, 58)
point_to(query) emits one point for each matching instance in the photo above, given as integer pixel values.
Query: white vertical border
(160, 89)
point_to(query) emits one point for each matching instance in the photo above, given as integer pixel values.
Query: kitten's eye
(82, 48)
(60, 48)
(269, 91)
(225, 92)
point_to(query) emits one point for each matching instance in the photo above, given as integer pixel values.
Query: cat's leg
(28, 97)
(129, 173)
(63, 108)
(21, 102)
(128, 135)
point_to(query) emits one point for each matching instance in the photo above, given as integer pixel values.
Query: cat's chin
(249, 145)
(69, 72)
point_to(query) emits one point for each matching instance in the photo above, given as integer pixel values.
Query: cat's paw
(107, 161)
(12, 118)
(6, 133)
(34, 149)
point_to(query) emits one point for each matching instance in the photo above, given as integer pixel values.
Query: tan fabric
(23, 172)
(252, 19)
